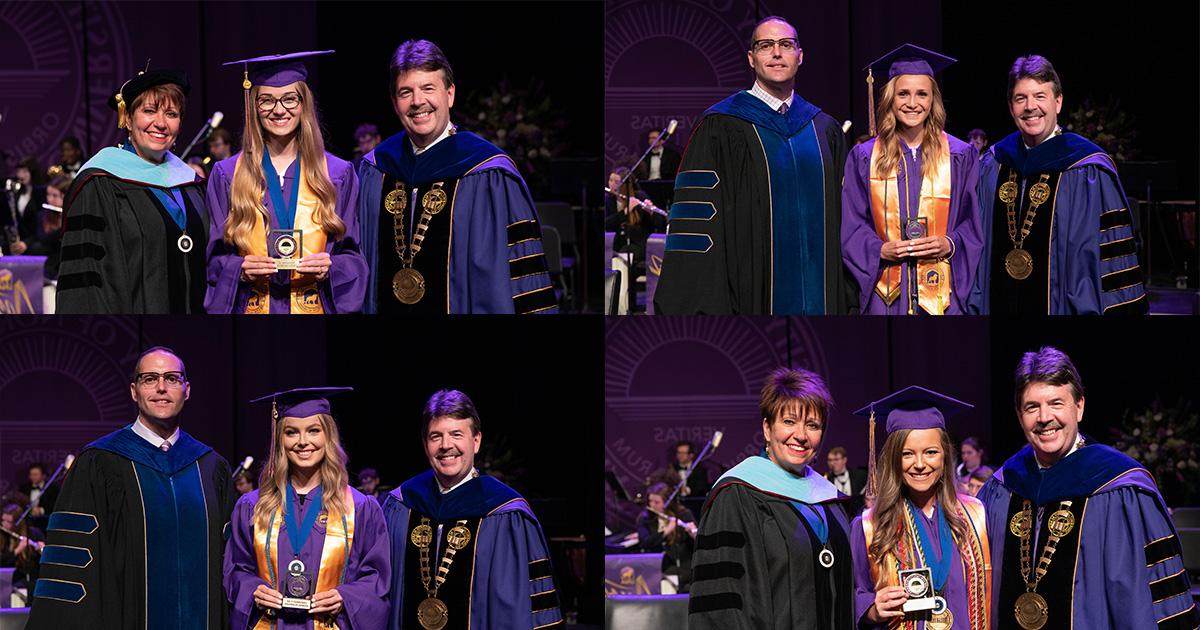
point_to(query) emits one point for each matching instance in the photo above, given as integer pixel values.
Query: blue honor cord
(285, 212)
(941, 567)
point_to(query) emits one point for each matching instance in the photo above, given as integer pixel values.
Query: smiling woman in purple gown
(306, 550)
(283, 184)
(919, 520)
(910, 230)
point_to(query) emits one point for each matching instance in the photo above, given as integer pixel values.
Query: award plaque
(285, 248)
(916, 228)
(918, 587)
(296, 587)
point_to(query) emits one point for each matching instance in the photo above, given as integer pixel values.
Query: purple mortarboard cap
(276, 70)
(909, 59)
(302, 402)
(915, 408)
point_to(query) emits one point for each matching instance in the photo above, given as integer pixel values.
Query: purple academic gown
(864, 587)
(1123, 519)
(347, 284)
(861, 244)
(368, 569)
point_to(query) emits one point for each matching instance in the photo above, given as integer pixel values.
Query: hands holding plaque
(285, 252)
(285, 248)
(916, 243)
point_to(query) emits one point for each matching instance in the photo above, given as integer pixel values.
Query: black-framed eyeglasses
(151, 379)
(763, 46)
(266, 103)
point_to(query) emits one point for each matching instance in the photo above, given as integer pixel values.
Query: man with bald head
(137, 535)
(755, 223)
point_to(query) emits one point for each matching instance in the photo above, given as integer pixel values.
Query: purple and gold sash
(305, 296)
(335, 553)
(933, 277)
(974, 553)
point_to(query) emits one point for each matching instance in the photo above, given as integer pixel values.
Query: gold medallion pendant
(940, 621)
(434, 200)
(421, 536)
(1039, 193)
(396, 200)
(432, 614)
(1008, 192)
(458, 537)
(408, 285)
(1019, 264)
(1020, 525)
(1061, 522)
(1031, 611)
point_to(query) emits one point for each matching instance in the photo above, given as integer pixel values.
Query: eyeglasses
(763, 46)
(267, 103)
(150, 379)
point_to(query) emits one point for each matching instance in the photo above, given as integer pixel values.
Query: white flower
(1137, 432)
(545, 152)
(500, 133)
(1090, 112)
(520, 116)
(506, 99)
(1153, 446)
(481, 116)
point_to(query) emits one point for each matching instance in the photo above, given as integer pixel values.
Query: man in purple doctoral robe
(447, 223)
(1088, 515)
(467, 551)
(1058, 233)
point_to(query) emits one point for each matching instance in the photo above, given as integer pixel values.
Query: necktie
(166, 446)
(783, 108)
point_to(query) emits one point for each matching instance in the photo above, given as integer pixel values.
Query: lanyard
(298, 532)
(285, 213)
(171, 199)
(940, 568)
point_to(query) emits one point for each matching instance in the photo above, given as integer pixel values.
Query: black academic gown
(136, 540)
(755, 226)
(119, 249)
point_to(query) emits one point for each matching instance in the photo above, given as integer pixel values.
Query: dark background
(673, 60)
(64, 382)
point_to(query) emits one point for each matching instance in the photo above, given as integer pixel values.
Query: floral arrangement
(524, 122)
(1107, 126)
(1167, 443)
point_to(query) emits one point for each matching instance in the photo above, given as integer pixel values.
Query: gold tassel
(274, 411)
(871, 457)
(121, 122)
(870, 108)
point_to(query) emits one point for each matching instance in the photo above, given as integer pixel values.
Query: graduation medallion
(435, 199)
(432, 614)
(458, 537)
(939, 605)
(421, 536)
(1019, 264)
(396, 200)
(297, 586)
(825, 557)
(408, 285)
(1008, 191)
(184, 243)
(941, 620)
(1031, 611)
(1020, 525)
(1061, 522)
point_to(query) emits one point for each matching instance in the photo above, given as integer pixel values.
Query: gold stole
(976, 564)
(933, 277)
(305, 296)
(335, 553)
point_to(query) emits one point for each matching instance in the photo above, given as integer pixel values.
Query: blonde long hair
(246, 193)
(890, 143)
(272, 483)
(888, 512)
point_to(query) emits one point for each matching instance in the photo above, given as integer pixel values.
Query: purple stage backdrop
(665, 60)
(682, 378)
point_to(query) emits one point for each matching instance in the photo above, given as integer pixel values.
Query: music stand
(581, 178)
(660, 191)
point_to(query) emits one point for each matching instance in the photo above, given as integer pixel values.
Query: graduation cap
(906, 59)
(275, 70)
(142, 81)
(913, 407)
(301, 402)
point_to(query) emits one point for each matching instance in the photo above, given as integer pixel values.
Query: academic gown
(861, 243)
(503, 577)
(482, 252)
(955, 591)
(364, 587)
(756, 564)
(136, 539)
(755, 223)
(342, 292)
(1119, 567)
(120, 246)
(1082, 239)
